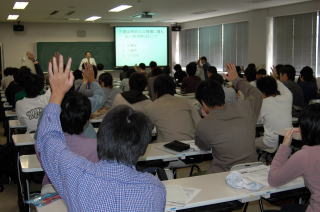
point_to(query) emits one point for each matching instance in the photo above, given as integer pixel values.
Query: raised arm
(36, 64)
(251, 93)
(57, 161)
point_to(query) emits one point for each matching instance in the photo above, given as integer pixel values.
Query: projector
(18, 28)
(146, 15)
(176, 28)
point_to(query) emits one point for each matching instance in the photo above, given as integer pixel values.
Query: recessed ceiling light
(13, 17)
(93, 18)
(20, 5)
(120, 8)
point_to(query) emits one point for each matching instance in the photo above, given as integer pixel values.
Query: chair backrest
(245, 165)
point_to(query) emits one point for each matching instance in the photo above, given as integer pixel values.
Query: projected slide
(136, 45)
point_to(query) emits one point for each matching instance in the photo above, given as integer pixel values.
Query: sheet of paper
(178, 195)
(258, 174)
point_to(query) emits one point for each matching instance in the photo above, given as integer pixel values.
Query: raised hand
(232, 72)
(288, 137)
(274, 73)
(61, 80)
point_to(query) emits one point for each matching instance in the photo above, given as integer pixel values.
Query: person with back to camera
(113, 184)
(87, 59)
(304, 163)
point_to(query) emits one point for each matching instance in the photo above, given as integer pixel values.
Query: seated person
(304, 163)
(275, 112)
(287, 76)
(106, 83)
(78, 78)
(75, 114)
(124, 73)
(8, 77)
(250, 74)
(228, 130)
(124, 85)
(92, 89)
(154, 74)
(261, 73)
(142, 68)
(229, 92)
(30, 107)
(134, 97)
(308, 84)
(174, 117)
(16, 85)
(114, 183)
(179, 74)
(191, 82)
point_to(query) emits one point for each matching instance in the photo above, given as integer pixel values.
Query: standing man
(203, 67)
(87, 59)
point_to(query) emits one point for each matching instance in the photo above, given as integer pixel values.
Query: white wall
(258, 25)
(16, 44)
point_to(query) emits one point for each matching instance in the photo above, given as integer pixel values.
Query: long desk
(155, 151)
(213, 188)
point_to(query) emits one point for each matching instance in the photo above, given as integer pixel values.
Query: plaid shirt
(93, 187)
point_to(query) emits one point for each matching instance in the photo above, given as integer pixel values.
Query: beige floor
(8, 198)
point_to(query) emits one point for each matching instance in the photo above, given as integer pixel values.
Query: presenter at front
(87, 59)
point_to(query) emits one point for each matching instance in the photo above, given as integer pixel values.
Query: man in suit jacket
(175, 118)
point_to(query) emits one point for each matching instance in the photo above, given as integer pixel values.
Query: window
(235, 43)
(224, 43)
(210, 44)
(295, 40)
(189, 46)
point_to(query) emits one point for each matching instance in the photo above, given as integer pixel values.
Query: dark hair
(75, 112)
(164, 84)
(278, 68)
(123, 135)
(262, 71)
(156, 72)
(33, 85)
(289, 70)
(191, 68)
(211, 93)
(310, 124)
(125, 68)
(213, 70)
(166, 70)
(142, 66)
(307, 74)
(239, 70)
(21, 75)
(130, 72)
(203, 58)
(87, 52)
(138, 82)
(153, 64)
(77, 74)
(177, 67)
(218, 78)
(268, 86)
(107, 79)
(250, 73)
(100, 66)
(252, 65)
(7, 71)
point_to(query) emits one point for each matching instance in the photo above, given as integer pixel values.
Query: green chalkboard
(103, 52)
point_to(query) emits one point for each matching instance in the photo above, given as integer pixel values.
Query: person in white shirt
(30, 108)
(275, 114)
(87, 59)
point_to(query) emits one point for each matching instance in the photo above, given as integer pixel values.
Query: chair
(244, 166)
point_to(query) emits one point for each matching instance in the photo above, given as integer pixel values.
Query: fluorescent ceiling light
(120, 8)
(13, 17)
(93, 18)
(20, 5)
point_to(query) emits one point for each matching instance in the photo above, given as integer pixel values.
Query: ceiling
(169, 11)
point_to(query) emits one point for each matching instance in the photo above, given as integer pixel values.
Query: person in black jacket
(308, 83)
(179, 74)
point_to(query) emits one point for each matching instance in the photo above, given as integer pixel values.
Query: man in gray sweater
(228, 129)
